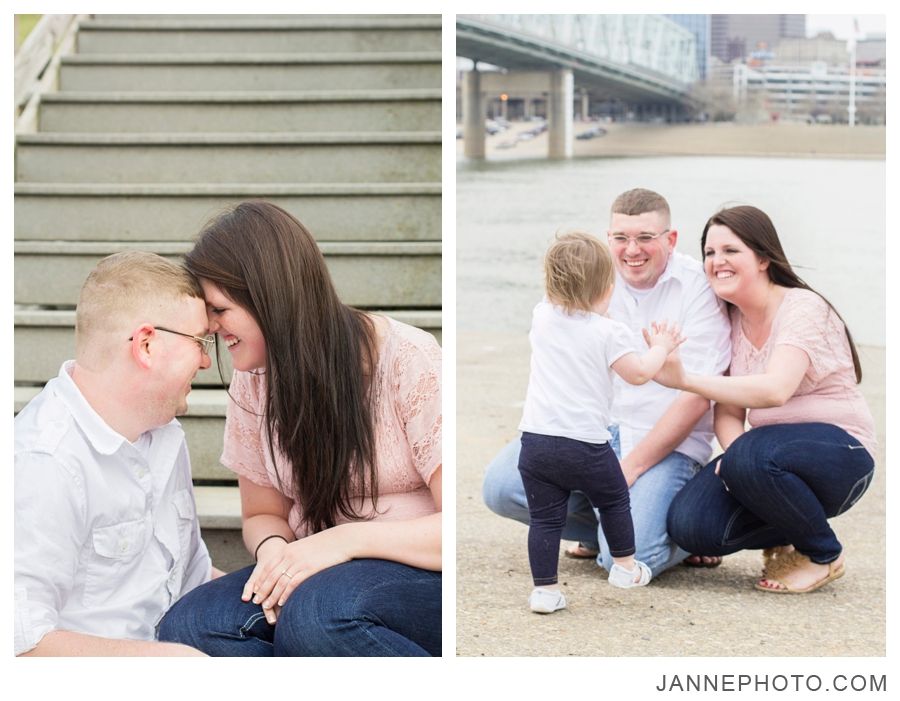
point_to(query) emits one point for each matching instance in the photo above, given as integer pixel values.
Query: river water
(830, 216)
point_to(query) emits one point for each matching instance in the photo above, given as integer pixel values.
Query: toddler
(565, 442)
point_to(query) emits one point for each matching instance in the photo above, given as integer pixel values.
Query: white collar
(100, 435)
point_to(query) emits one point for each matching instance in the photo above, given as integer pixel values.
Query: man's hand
(631, 471)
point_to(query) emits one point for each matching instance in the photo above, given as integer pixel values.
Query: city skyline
(842, 25)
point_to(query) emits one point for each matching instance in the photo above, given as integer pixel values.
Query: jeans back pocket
(856, 491)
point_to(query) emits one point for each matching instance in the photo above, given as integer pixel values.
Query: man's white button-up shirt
(682, 294)
(106, 534)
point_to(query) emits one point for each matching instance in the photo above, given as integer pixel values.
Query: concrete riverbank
(714, 139)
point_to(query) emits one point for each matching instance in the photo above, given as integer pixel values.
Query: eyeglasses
(205, 342)
(641, 239)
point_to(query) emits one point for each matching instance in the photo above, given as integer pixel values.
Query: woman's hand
(281, 569)
(268, 556)
(672, 373)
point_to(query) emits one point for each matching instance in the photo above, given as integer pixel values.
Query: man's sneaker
(625, 579)
(545, 601)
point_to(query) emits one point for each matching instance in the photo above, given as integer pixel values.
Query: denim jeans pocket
(856, 491)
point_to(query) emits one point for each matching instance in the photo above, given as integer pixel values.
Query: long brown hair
(753, 226)
(320, 354)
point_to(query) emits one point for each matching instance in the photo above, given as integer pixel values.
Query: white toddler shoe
(546, 601)
(625, 579)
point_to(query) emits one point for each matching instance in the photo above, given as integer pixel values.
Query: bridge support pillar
(474, 106)
(585, 106)
(560, 128)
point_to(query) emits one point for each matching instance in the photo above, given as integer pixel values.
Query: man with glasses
(661, 436)
(106, 533)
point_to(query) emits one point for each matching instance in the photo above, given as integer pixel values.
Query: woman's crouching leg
(363, 608)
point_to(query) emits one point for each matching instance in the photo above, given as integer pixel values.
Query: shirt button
(123, 546)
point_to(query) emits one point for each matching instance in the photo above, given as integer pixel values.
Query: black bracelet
(268, 537)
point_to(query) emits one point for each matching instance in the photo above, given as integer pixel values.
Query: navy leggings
(552, 468)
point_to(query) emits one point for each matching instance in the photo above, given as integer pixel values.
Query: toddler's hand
(665, 335)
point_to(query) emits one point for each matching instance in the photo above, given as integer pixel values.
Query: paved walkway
(685, 612)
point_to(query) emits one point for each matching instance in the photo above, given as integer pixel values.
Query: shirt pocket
(187, 515)
(175, 528)
(113, 550)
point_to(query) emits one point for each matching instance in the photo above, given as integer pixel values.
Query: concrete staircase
(160, 121)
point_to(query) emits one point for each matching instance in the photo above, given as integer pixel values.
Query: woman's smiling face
(731, 266)
(236, 327)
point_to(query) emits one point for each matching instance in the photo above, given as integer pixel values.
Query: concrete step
(206, 72)
(219, 507)
(45, 338)
(219, 511)
(306, 34)
(220, 158)
(371, 275)
(226, 547)
(114, 212)
(331, 111)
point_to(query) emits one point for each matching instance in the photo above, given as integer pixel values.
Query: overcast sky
(842, 25)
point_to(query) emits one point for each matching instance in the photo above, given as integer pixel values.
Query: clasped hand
(282, 567)
(672, 373)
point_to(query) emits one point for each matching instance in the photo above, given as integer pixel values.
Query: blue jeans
(777, 485)
(361, 608)
(552, 468)
(650, 495)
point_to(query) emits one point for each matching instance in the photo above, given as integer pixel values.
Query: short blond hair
(578, 270)
(640, 201)
(125, 286)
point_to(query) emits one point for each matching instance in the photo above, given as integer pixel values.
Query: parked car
(591, 133)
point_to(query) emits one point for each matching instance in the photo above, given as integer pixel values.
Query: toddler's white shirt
(570, 389)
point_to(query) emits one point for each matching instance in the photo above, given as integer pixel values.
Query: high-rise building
(871, 50)
(735, 37)
(698, 25)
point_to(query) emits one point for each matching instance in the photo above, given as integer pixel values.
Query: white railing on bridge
(650, 42)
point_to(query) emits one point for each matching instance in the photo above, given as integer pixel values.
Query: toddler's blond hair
(578, 270)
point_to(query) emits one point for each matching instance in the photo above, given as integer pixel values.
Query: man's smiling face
(641, 264)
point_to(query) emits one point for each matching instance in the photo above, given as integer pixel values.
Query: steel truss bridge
(636, 59)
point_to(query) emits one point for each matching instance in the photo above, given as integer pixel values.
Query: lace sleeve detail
(810, 325)
(244, 451)
(419, 371)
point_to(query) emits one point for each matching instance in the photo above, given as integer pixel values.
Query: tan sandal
(705, 561)
(777, 559)
(580, 551)
(785, 564)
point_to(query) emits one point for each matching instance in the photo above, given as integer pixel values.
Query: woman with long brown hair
(334, 430)
(794, 375)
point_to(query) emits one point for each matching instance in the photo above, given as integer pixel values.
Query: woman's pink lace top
(407, 400)
(828, 393)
